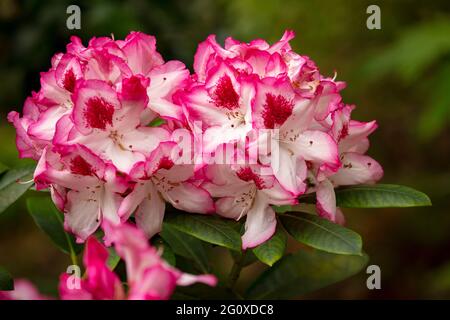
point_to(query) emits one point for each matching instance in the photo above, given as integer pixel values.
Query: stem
(236, 271)
(73, 257)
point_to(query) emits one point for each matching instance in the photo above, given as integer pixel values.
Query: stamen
(24, 182)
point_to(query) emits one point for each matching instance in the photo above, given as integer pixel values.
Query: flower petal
(141, 54)
(317, 146)
(326, 200)
(83, 213)
(188, 197)
(150, 213)
(157, 283)
(260, 224)
(357, 169)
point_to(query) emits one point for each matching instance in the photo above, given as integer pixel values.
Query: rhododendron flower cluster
(90, 127)
(246, 87)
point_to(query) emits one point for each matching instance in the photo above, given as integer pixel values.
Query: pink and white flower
(109, 123)
(158, 180)
(244, 191)
(356, 167)
(83, 186)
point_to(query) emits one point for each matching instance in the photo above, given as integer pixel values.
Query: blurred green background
(399, 75)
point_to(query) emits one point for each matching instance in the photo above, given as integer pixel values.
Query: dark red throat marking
(165, 163)
(69, 80)
(99, 113)
(276, 110)
(79, 166)
(247, 174)
(224, 95)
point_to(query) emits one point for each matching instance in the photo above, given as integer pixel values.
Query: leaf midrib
(324, 228)
(231, 240)
(414, 194)
(192, 252)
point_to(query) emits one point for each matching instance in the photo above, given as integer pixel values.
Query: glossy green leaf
(380, 196)
(321, 234)
(10, 188)
(167, 252)
(272, 250)
(51, 221)
(6, 281)
(186, 246)
(304, 272)
(207, 228)
(3, 168)
(282, 209)
(305, 207)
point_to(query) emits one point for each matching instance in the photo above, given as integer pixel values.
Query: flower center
(224, 94)
(245, 200)
(235, 118)
(163, 184)
(248, 175)
(276, 110)
(98, 113)
(79, 166)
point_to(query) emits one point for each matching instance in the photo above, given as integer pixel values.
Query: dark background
(399, 75)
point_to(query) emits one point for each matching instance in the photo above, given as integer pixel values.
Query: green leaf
(186, 246)
(305, 207)
(113, 258)
(282, 209)
(167, 253)
(10, 189)
(3, 168)
(157, 122)
(51, 221)
(303, 272)
(207, 228)
(272, 250)
(380, 196)
(6, 281)
(321, 234)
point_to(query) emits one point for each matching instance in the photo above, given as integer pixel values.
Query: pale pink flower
(148, 276)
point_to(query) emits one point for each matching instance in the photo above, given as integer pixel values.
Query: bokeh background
(399, 75)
